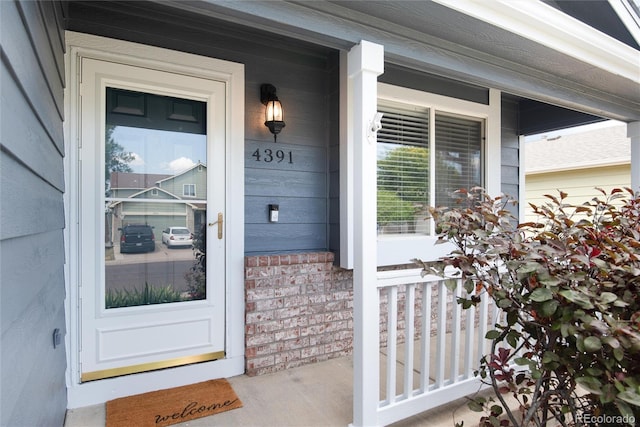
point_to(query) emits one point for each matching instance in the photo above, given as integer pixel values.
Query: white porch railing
(432, 347)
(433, 370)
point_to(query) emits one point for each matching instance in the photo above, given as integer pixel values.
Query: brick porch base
(299, 310)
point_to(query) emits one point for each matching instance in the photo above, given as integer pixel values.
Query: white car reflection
(177, 236)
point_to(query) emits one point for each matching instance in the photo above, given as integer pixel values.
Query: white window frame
(185, 187)
(401, 249)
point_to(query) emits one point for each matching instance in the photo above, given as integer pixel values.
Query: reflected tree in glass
(196, 277)
(116, 158)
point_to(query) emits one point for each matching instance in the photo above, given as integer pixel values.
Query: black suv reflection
(137, 238)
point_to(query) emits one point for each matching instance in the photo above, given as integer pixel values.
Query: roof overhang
(526, 48)
(542, 24)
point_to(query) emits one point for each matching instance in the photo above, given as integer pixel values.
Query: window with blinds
(404, 157)
(458, 151)
(403, 171)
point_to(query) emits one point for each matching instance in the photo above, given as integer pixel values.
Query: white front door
(152, 174)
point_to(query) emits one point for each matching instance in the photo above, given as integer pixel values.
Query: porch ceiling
(435, 38)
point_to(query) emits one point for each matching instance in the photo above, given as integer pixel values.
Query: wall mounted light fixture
(273, 113)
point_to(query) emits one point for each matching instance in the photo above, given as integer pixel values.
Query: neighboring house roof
(136, 180)
(599, 147)
(168, 177)
(146, 190)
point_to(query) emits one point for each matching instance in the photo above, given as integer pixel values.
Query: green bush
(393, 209)
(196, 277)
(116, 298)
(196, 284)
(568, 286)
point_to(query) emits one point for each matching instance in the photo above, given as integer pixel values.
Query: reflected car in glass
(177, 236)
(137, 238)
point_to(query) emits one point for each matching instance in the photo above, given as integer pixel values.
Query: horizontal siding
(28, 261)
(292, 210)
(509, 151)
(264, 155)
(285, 183)
(35, 74)
(29, 312)
(176, 185)
(300, 73)
(31, 144)
(33, 204)
(277, 238)
(293, 177)
(304, 107)
(579, 184)
(32, 213)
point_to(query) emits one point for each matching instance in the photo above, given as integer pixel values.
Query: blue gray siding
(32, 291)
(306, 78)
(510, 150)
(302, 75)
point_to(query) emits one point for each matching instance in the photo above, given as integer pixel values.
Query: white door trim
(82, 45)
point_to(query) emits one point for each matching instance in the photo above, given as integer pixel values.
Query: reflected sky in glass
(160, 151)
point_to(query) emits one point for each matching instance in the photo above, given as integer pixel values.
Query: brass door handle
(219, 222)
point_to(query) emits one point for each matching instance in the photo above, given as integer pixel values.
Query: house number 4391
(268, 155)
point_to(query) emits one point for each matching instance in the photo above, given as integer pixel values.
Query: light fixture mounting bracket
(267, 93)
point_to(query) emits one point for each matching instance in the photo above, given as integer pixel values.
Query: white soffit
(544, 24)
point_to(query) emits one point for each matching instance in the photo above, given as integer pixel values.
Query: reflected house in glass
(158, 200)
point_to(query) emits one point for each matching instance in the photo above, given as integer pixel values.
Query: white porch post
(365, 64)
(633, 132)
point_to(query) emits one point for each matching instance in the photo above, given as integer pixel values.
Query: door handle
(219, 222)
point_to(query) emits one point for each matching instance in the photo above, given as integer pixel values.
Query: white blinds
(458, 151)
(404, 151)
(403, 171)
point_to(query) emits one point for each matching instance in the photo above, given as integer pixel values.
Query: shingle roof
(135, 180)
(597, 147)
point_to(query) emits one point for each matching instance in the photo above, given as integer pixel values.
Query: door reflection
(155, 199)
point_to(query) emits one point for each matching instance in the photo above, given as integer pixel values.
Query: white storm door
(152, 219)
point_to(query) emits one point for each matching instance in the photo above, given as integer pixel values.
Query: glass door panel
(155, 199)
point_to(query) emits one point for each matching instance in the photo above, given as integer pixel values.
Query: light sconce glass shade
(273, 113)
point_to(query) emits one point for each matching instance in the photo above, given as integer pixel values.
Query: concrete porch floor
(320, 394)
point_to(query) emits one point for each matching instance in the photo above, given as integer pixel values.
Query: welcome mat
(172, 406)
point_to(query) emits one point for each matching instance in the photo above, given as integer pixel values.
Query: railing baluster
(392, 342)
(409, 339)
(483, 324)
(441, 333)
(469, 352)
(425, 347)
(456, 315)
